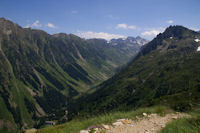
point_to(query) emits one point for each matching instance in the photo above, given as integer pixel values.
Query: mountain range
(41, 73)
(166, 71)
(42, 76)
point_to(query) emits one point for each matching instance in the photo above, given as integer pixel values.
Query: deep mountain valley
(166, 71)
(40, 74)
(161, 80)
(48, 79)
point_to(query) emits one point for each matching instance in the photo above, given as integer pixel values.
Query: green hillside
(166, 71)
(40, 74)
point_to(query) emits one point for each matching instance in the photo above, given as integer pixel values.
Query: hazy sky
(103, 18)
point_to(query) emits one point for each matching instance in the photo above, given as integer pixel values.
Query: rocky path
(147, 124)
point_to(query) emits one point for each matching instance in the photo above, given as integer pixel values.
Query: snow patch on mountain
(196, 40)
(198, 49)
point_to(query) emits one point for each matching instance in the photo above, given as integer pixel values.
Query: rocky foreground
(151, 123)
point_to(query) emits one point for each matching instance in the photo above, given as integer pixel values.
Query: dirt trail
(148, 124)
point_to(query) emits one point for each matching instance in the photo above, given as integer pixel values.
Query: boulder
(120, 120)
(126, 121)
(106, 127)
(118, 123)
(144, 114)
(84, 131)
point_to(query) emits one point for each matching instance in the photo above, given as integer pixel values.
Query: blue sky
(103, 18)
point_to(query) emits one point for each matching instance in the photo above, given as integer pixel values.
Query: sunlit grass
(184, 125)
(78, 124)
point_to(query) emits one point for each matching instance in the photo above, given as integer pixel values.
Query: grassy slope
(83, 123)
(60, 66)
(184, 125)
(4, 111)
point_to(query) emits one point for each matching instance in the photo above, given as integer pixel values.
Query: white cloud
(102, 35)
(131, 27)
(50, 25)
(27, 26)
(112, 17)
(125, 26)
(195, 29)
(74, 11)
(170, 21)
(36, 24)
(151, 33)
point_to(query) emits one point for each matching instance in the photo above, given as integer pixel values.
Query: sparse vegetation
(83, 123)
(184, 125)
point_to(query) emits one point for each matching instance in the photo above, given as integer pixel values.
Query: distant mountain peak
(173, 33)
(177, 31)
(4, 19)
(138, 37)
(64, 35)
(5, 22)
(129, 41)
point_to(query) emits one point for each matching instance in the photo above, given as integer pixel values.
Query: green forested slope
(40, 73)
(165, 71)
